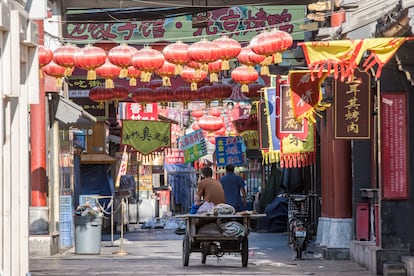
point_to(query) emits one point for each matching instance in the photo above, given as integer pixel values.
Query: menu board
(394, 145)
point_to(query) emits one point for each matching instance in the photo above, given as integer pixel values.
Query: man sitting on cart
(209, 190)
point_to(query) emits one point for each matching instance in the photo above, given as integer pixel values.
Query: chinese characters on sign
(242, 22)
(229, 151)
(394, 145)
(194, 146)
(137, 111)
(353, 107)
(174, 156)
(287, 123)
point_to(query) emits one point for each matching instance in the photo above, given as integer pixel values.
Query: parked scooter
(300, 230)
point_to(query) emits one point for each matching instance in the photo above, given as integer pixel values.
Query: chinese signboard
(229, 151)
(194, 146)
(353, 107)
(394, 145)
(174, 156)
(137, 111)
(241, 22)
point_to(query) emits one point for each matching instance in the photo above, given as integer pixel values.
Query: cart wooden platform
(216, 243)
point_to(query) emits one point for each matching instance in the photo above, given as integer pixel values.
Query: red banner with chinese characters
(394, 159)
(306, 94)
(353, 107)
(137, 111)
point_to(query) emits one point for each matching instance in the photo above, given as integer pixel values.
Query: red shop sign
(394, 146)
(353, 107)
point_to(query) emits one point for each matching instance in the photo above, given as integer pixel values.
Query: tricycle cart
(217, 242)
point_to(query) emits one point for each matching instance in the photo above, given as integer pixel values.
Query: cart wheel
(186, 250)
(245, 251)
(203, 258)
(298, 253)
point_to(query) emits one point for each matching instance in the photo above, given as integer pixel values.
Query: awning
(68, 112)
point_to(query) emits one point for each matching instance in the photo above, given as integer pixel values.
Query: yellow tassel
(264, 70)
(277, 58)
(132, 82)
(59, 82)
(123, 73)
(68, 71)
(225, 64)
(245, 88)
(178, 69)
(109, 83)
(193, 86)
(166, 81)
(41, 74)
(91, 75)
(213, 77)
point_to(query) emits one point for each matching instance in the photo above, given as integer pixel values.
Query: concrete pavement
(159, 252)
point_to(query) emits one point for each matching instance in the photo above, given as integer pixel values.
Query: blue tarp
(183, 181)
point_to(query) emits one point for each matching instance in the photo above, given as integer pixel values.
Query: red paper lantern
(204, 94)
(147, 60)
(100, 94)
(45, 56)
(230, 48)
(177, 53)
(119, 93)
(204, 52)
(184, 94)
(244, 76)
(89, 58)
(271, 44)
(210, 123)
(214, 68)
(143, 95)
(221, 91)
(254, 90)
(65, 56)
(197, 113)
(121, 56)
(249, 58)
(133, 74)
(166, 71)
(54, 70)
(190, 75)
(163, 94)
(154, 84)
(109, 72)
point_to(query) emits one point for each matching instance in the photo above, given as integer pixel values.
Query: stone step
(408, 261)
(394, 269)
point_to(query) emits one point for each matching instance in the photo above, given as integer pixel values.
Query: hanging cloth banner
(343, 56)
(297, 152)
(306, 94)
(146, 136)
(271, 154)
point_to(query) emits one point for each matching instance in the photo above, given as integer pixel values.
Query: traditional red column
(38, 141)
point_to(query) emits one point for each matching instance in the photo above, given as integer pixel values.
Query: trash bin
(88, 234)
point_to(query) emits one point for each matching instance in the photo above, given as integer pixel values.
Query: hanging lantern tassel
(41, 74)
(225, 64)
(145, 76)
(123, 73)
(132, 81)
(91, 75)
(213, 77)
(109, 83)
(277, 58)
(68, 71)
(166, 81)
(264, 70)
(178, 69)
(245, 88)
(193, 86)
(59, 82)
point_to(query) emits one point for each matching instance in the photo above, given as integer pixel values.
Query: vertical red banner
(394, 146)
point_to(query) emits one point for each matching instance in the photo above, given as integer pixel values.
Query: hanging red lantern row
(254, 90)
(65, 56)
(214, 68)
(121, 56)
(109, 72)
(244, 76)
(100, 95)
(221, 91)
(204, 94)
(249, 58)
(142, 95)
(185, 95)
(166, 72)
(204, 52)
(147, 60)
(56, 71)
(271, 45)
(45, 56)
(177, 54)
(230, 48)
(89, 58)
(133, 74)
(189, 75)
